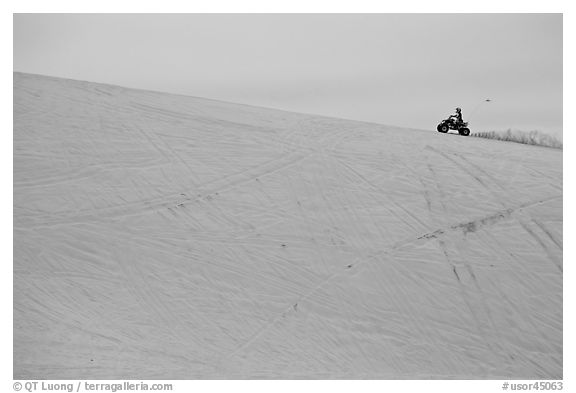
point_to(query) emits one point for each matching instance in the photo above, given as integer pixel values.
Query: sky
(408, 70)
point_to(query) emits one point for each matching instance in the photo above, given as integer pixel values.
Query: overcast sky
(409, 70)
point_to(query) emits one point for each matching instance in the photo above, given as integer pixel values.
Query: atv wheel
(464, 131)
(442, 128)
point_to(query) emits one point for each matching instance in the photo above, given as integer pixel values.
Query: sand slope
(163, 236)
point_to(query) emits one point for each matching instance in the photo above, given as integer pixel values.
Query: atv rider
(457, 116)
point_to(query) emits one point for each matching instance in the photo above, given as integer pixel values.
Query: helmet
(458, 110)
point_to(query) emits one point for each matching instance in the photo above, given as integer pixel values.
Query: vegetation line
(536, 138)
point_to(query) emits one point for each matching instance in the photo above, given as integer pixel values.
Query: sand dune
(163, 236)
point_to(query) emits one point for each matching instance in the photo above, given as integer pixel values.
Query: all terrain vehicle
(453, 124)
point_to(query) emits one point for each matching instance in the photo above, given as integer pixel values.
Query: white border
(295, 6)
